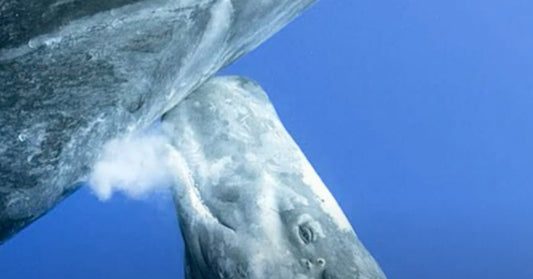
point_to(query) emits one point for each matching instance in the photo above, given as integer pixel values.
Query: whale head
(249, 203)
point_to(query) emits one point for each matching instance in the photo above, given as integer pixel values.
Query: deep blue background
(418, 115)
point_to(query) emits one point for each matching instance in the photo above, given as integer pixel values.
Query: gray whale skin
(75, 74)
(249, 203)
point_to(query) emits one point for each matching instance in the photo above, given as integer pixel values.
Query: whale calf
(77, 74)
(249, 203)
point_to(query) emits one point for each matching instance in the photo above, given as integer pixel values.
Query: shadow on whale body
(249, 203)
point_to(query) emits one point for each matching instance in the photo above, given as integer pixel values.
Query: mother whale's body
(77, 74)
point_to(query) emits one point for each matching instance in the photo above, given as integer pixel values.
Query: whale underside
(249, 203)
(75, 74)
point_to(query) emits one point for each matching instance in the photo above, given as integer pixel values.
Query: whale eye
(306, 234)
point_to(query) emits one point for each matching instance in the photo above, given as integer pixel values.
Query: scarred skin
(77, 74)
(249, 203)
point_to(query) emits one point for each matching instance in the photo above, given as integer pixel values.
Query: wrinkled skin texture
(75, 74)
(249, 203)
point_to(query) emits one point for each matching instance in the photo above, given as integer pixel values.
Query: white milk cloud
(135, 165)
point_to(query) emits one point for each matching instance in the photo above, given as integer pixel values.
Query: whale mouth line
(226, 225)
(186, 194)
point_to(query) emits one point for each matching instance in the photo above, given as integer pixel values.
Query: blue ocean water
(416, 114)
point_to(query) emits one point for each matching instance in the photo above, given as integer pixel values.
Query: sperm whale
(249, 203)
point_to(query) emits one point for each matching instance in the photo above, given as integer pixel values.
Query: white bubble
(133, 165)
